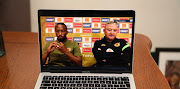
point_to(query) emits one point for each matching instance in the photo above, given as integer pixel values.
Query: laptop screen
(85, 45)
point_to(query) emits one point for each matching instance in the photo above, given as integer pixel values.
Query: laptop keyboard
(84, 82)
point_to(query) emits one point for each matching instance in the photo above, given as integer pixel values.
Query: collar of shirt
(114, 41)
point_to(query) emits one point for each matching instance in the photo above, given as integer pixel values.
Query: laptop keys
(45, 81)
(84, 82)
(43, 88)
(46, 84)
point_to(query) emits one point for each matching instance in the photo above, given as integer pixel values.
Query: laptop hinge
(126, 73)
(45, 72)
(86, 72)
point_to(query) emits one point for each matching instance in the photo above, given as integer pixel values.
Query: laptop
(85, 27)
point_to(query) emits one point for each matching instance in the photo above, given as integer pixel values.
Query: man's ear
(104, 30)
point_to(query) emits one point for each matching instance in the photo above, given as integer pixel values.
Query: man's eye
(115, 30)
(60, 31)
(109, 29)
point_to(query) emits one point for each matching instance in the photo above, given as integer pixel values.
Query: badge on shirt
(69, 49)
(103, 44)
(99, 49)
(109, 50)
(117, 44)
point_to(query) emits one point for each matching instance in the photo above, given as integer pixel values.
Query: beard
(62, 40)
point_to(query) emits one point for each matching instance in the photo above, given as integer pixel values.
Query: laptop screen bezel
(84, 13)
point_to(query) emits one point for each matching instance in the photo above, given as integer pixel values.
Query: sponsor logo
(92, 45)
(68, 19)
(126, 39)
(84, 55)
(103, 44)
(104, 19)
(49, 24)
(81, 50)
(86, 25)
(130, 25)
(77, 19)
(80, 44)
(86, 39)
(94, 39)
(78, 25)
(124, 25)
(70, 30)
(124, 18)
(70, 38)
(95, 19)
(102, 30)
(59, 19)
(131, 20)
(119, 21)
(124, 31)
(109, 50)
(77, 30)
(86, 50)
(103, 25)
(95, 30)
(49, 19)
(113, 19)
(69, 25)
(88, 20)
(130, 31)
(129, 40)
(86, 45)
(49, 39)
(55, 38)
(86, 30)
(77, 39)
(49, 30)
(95, 25)
(117, 44)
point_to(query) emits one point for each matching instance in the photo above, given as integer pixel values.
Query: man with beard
(62, 52)
(111, 51)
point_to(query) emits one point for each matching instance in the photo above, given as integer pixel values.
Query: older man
(111, 51)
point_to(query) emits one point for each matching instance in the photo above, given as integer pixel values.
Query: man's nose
(112, 31)
(59, 33)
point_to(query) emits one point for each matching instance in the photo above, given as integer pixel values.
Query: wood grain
(20, 67)
(145, 71)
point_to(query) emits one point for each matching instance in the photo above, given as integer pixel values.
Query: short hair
(110, 22)
(61, 24)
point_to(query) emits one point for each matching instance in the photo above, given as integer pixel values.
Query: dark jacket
(119, 52)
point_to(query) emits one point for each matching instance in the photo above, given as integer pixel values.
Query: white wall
(157, 19)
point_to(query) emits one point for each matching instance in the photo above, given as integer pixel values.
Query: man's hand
(60, 46)
(76, 59)
(51, 47)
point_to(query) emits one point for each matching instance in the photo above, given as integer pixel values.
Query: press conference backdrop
(85, 31)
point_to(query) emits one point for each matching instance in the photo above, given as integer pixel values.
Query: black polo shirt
(115, 53)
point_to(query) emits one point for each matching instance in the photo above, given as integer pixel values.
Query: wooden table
(20, 67)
